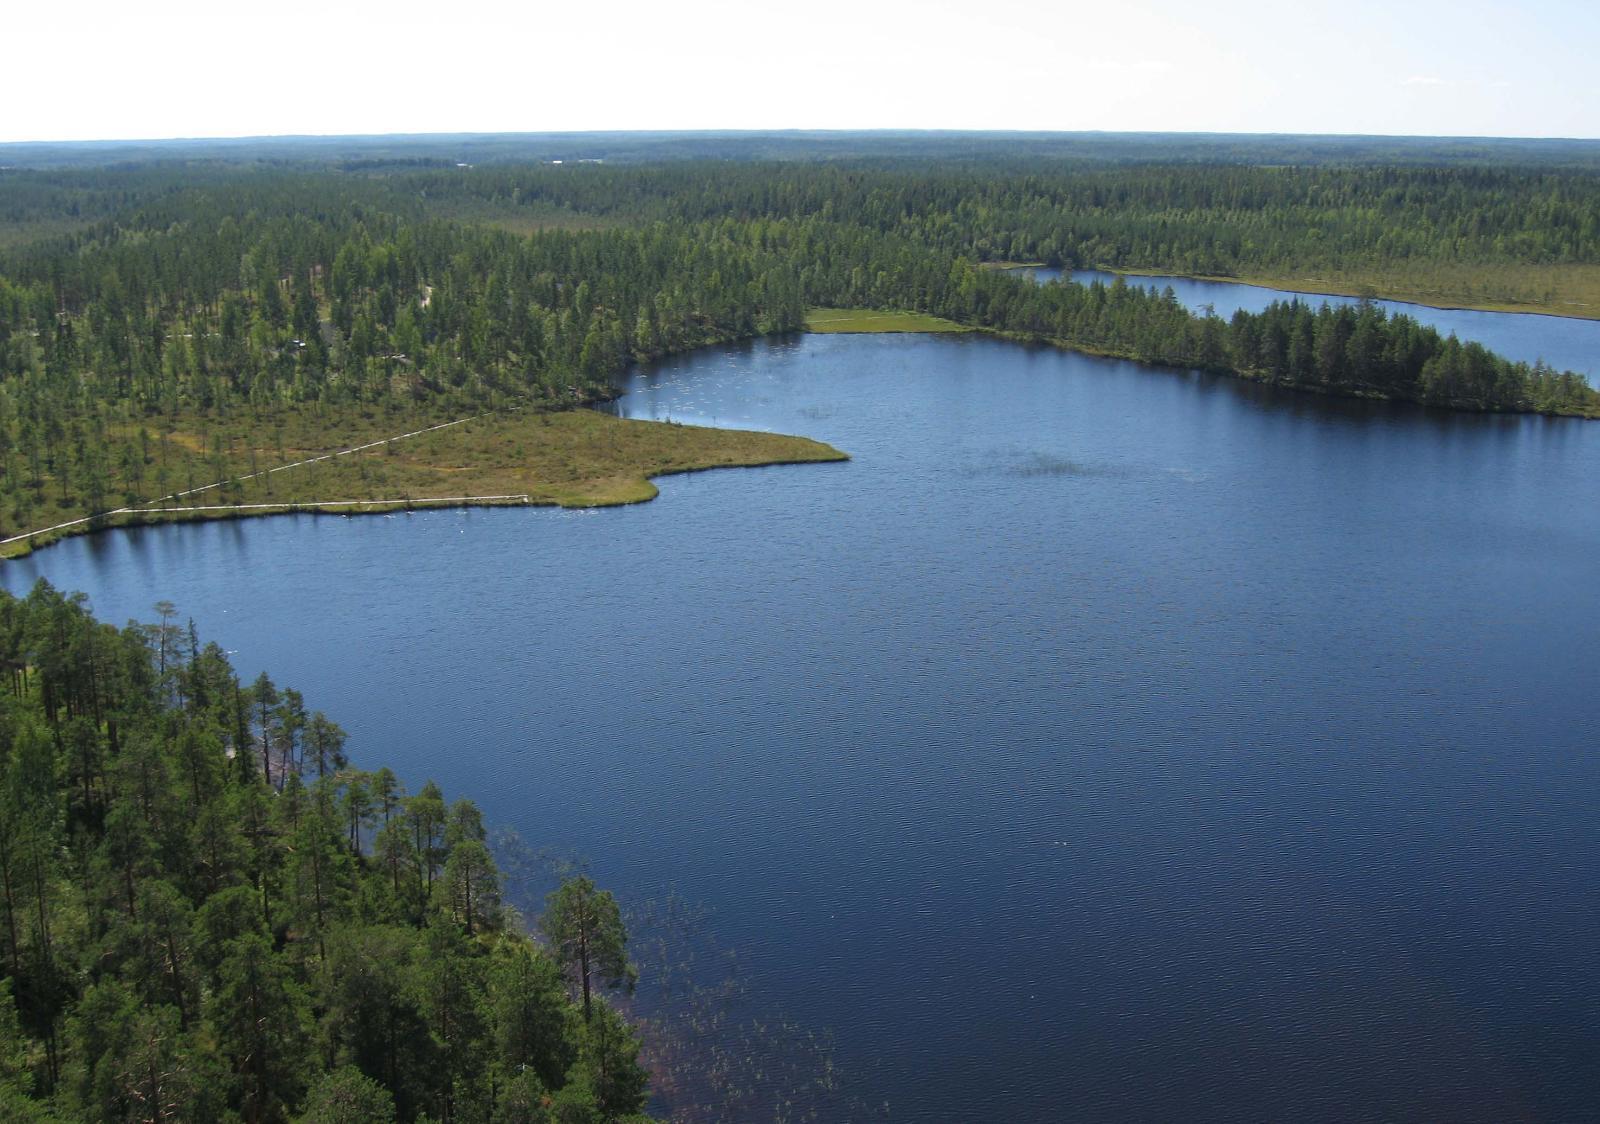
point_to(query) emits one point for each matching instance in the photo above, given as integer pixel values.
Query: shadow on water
(1296, 402)
(1105, 742)
(1345, 409)
(1567, 343)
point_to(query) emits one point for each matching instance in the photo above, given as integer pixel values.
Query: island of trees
(208, 914)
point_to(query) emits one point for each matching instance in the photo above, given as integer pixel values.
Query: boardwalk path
(147, 507)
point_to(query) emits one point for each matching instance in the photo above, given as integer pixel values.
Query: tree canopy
(187, 933)
(131, 346)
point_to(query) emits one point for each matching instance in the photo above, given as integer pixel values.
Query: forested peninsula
(175, 335)
(208, 914)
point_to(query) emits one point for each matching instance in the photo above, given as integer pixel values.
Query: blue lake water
(1100, 742)
(1566, 343)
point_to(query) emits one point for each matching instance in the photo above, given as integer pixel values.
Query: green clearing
(870, 320)
(568, 458)
(1555, 290)
(1571, 290)
(522, 220)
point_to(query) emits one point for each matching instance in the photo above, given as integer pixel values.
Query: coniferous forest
(207, 914)
(160, 299)
(319, 276)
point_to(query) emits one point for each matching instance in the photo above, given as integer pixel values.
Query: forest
(208, 914)
(191, 301)
(878, 145)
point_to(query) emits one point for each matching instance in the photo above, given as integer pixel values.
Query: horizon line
(473, 134)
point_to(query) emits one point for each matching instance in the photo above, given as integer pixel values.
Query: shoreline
(622, 488)
(882, 322)
(606, 491)
(1295, 285)
(1258, 377)
(1263, 379)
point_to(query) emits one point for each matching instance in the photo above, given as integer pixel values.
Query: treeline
(882, 147)
(285, 292)
(271, 290)
(1218, 220)
(206, 914)
(1351, 350)
(245, 305)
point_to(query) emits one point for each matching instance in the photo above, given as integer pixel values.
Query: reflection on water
(1565, 343)
(1099, 741)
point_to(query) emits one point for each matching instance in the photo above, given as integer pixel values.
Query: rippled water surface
(1099, 741)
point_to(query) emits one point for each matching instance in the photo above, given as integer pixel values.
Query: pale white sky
(93, 69)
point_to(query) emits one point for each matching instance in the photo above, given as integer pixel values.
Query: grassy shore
(1554, 290)
(570, 458)
(870, 320)
(1549, 290)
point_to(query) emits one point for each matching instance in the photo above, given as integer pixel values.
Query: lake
(1566, 343)
(1101, 741)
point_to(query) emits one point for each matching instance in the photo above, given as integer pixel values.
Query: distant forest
(881, 146)
(358, 277)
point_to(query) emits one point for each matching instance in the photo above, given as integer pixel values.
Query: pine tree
(585, 927)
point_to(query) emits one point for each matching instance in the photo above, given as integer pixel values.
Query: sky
(94, 69)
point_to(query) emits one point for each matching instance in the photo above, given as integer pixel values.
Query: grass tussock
(869, 320)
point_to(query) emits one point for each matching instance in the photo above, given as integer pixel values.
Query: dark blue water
(1566, 343)
(1099, 743)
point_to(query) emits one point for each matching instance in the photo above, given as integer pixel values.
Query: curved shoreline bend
(595, 460)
